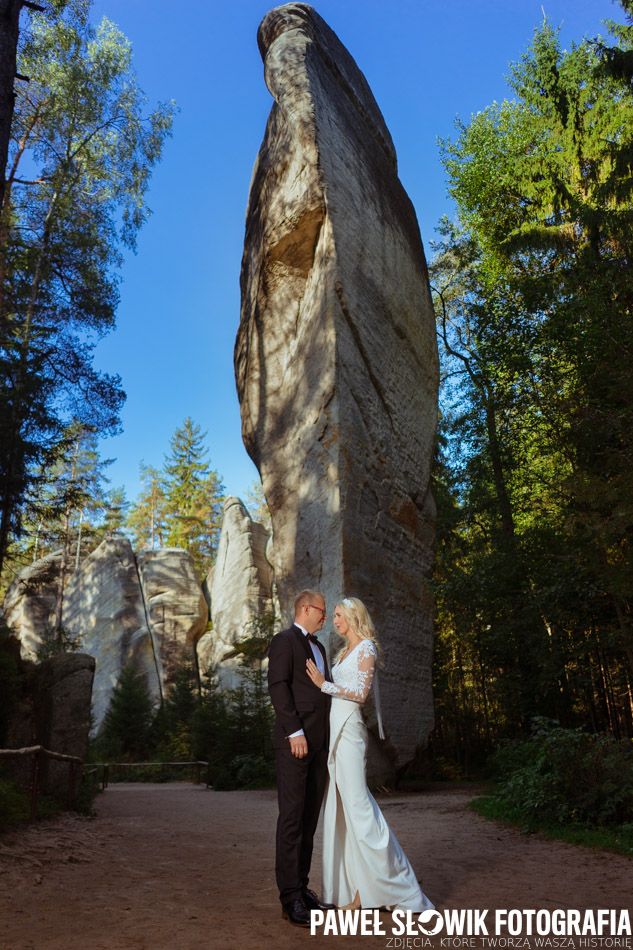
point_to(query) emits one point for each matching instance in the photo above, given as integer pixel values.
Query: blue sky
(426, 62)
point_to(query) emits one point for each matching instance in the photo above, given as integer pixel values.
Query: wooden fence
(35, 751)
(197, 766)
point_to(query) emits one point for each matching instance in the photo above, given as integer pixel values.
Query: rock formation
(104, 607)
(29, 604)
(64, 690)
(51, 707)
(147, 610)
(176, 607)
(239, 588)
(336, 360)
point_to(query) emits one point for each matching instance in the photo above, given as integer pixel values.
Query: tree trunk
(13, 461)
(9, 33)
(625, 630)
(62, 581)
(78, 554)
(503, 499)
(63, 570)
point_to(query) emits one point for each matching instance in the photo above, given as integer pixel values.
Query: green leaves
(533, 290)
(567, 775)
(182, 506)
(128, 721)
(84, 143)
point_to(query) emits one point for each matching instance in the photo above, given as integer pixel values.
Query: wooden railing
(197, 766)
(35, 751)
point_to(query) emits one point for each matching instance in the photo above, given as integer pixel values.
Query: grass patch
(15, 803)
(619, 840)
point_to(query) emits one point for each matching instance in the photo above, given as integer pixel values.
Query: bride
(363, 864)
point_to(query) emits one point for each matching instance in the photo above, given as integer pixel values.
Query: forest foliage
(533, 289)
(533, 480)
(180, 505)
(83, 145)
(568, 783)
(231, 729)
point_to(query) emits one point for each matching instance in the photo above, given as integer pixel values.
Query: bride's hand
(315, 675)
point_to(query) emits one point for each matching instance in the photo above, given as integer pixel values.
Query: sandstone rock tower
(336, 360)
(239, 587)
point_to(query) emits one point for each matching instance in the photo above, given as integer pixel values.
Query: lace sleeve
(358, 679)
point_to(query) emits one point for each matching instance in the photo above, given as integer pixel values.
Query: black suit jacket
(298, 703)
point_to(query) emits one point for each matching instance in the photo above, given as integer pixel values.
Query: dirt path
(180, 867)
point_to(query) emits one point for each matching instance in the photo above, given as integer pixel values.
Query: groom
(301, 750)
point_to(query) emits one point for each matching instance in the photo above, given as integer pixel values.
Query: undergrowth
(568, 784)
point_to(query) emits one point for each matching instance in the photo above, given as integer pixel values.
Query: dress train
(360, 851)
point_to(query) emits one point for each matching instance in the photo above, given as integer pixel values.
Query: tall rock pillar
(336, 360)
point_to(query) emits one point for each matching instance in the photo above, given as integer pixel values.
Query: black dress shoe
(312, 902)
(296, 912)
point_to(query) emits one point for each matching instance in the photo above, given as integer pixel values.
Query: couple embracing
(320, 748)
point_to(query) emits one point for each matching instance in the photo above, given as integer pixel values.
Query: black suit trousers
(300, 789)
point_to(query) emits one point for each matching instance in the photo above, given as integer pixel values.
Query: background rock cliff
(146, 610)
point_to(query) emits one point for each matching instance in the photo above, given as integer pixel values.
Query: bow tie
(312, 636)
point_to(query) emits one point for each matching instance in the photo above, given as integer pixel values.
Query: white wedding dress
(360, 851)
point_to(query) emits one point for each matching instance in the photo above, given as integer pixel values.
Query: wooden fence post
(71, 776)
(36, 764)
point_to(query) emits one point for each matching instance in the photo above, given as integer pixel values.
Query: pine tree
(177, 715)
(257, 506)
(83, 147)
(129, 717)
(147, 519)
(114, 512)
(195, 496)
(534, 295)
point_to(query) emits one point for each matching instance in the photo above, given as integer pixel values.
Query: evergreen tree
(195, 496)
(127, 724)
(174, 725)
(616, 61)
(533, 292)
(147, 518)
(79, 164)
(211, 735)
(114, 512)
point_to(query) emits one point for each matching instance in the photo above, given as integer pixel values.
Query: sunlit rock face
(104, 610)
(240, 590)
(146, 610)
(176, 608)
(336, 361)
(29, 604)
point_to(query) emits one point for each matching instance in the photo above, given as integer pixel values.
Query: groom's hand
(299, 746)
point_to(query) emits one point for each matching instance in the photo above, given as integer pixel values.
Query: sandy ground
(181, 867)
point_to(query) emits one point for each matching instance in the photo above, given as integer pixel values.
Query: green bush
(14, 804)
(567, 776)
(128, 721)
(88, 790)
(252, 771)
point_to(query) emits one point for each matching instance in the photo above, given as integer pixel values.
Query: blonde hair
(359, 622)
